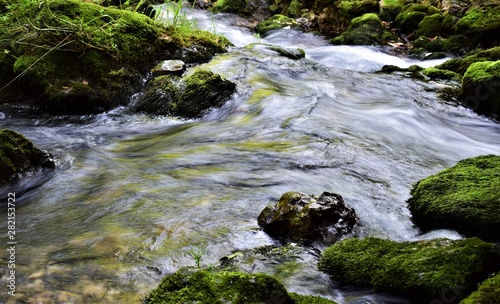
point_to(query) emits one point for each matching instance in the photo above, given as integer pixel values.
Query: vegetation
(488, 292)
(203, 286)
(363, 30)
(464, 198)
(109, 51)
(422, 270)
(18, 156)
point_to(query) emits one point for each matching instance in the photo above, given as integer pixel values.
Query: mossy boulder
(363, 30)
(202, 91)
(231, 6)
(80, 57)
(18, 156)
(188, 97)
(434, 73)
(160, 97)
(481, 88)
(487, 293)
(389, 9)
(436, 25)
(481, 25)
(202, 286)
(306, 218)
(422, 270)
(460, 65)
(412, 14)
(464, 197)
(276, 22)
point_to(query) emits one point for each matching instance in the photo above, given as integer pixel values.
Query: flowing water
(133, 194)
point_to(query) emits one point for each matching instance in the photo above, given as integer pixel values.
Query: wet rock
(18, 156)
(464, 198)
(202, 91)
(306, 218)
(160, 96)
(169, 67)
(421, 270)
(488, 292)
(291, 53)
(188, 285)
(274, 23)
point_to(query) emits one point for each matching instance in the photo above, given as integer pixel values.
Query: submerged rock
(422, 270)
(464, 198)
(202, 286)
(306, 218)
(18, 156)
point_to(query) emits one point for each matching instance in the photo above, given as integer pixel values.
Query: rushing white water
(134, 193)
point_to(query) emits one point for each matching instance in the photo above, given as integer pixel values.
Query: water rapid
(133, 194)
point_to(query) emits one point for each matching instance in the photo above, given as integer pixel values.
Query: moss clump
(203, 90)
(60, 45)
(348, 9)
(363, 30)
(435, 25)
(18, 155)
(464, 197)
(480, 87)
(481, 25)
(274, 23)
(302, 299)
(488, 292)
(421, 270)
(435, 73)
(389, 9)
(412, 14)
(202, 286)
(460, 65)
(160, 97)
(231, 6)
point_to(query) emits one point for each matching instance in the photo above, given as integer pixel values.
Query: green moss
(160, 96)
(302, 299)
(294, 9)
(59, 44)
(421, 270)
(18, 155)
(363, 30)
(349, 9)
(436, 25)
(275, 22)
(389, 9)
(480, 87)
(435, 73)
(464, 198)
(231, 6)
(190, 286)
(488, 292)
(203, 90)
(412, 14)
(481, 25)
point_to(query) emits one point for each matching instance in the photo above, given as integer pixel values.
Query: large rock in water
(465, 198)
(481, 88)
(19, 156)
(305, 218)
(434, 271)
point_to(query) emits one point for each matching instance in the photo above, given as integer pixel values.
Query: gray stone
(169, 67)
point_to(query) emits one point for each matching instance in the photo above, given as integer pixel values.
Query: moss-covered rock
(487, 293)
(160, 97)
(422, 270)
(202, 286)
(202, 91)
(305, 218)
(274, 23)
(481, 26)
(460, 65)
(231, 6)
(435, 73)
(363, 30)
(19, 156)
(464, 197)
(481, 88)
(436, 25)
(80, 57)
(389, 9)
(412, 14)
